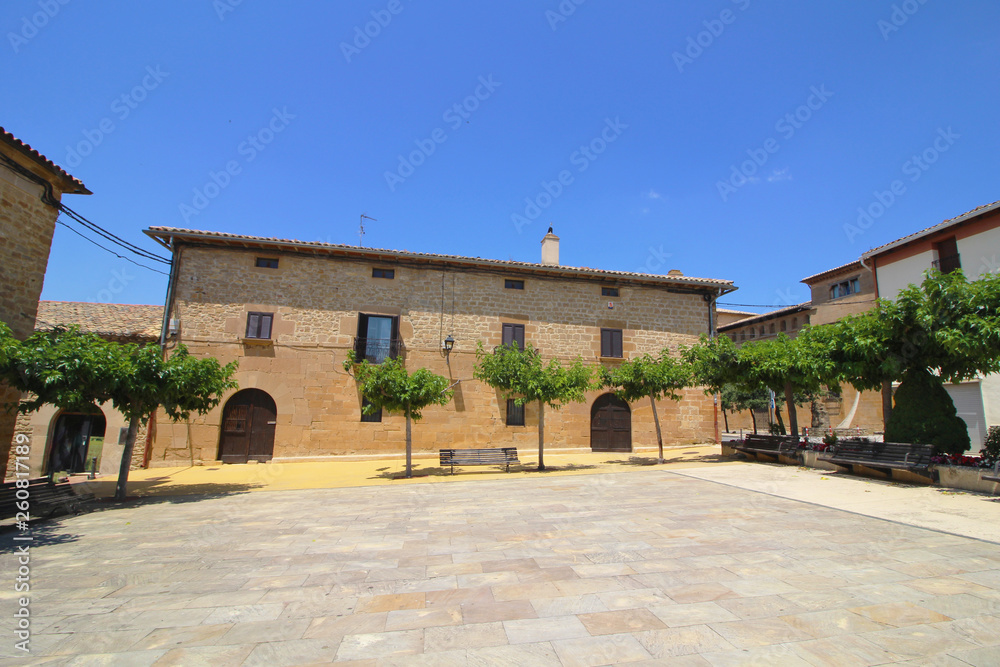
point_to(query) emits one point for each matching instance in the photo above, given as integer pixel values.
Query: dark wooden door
(248, 422)
(610, 425)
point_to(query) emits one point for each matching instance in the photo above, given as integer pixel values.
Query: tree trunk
(753, 418)
(133, 430)
(409, 445)
(659, 434)
(793, 417)
(541, 434)
(886, 403)
(725, 419)
(779, 419)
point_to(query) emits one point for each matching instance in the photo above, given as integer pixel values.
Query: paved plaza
(658, 567)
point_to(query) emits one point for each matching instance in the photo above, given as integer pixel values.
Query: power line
(60, 222)
(94, 227)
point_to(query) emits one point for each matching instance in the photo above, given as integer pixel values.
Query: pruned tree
(388, 385)
(736, 398)
(647, 376)
(78, 371)
(523, 376)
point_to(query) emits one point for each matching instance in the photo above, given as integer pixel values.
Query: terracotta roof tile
(107, 319)
(164, 232)
(11, 140)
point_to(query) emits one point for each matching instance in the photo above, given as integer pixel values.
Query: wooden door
(610, 425)
(248, 422)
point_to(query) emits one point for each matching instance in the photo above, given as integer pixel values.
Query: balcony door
(377, 337)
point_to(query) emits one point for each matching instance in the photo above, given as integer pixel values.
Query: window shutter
(253, 323)
(265, 326)
(513, 334)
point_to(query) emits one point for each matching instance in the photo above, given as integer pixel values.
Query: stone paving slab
(661, 567)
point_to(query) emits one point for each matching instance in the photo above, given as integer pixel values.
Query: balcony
(947, 264)
(377, 350)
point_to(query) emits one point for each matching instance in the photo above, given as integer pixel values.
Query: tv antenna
(361, 228)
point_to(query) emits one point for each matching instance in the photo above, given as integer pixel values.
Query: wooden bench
(502, 456)
(995, 477)
(770, 445)
(44, 499)
(880, 455)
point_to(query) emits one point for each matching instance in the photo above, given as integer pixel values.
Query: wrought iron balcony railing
(377, 350)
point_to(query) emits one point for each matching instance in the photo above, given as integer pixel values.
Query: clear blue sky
(332, 112)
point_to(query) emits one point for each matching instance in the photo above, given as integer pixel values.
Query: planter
(810, 459)
(968, 479)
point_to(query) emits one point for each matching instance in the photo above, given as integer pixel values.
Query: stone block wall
(316, 302)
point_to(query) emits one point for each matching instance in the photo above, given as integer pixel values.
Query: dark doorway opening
(610, 425)
(248, 422)
(76, 439)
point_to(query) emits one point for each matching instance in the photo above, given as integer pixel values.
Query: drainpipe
(175, 260)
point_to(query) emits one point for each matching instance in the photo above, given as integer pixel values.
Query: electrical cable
(60, 222)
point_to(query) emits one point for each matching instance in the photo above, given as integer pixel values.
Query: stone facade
(30, 186)
(317, 294)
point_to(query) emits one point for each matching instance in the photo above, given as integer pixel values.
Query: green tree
(388, 385)
(947, 328)
(735, 398)
(521, 375)
(78, 371)
(648, 376)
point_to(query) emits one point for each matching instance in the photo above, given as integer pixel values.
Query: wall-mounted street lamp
(448, 345)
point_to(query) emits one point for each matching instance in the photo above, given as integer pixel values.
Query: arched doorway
(610, 425)
(76, 439)
(248, 422)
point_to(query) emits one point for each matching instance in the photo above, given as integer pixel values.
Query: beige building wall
(316, 302)
(26, 227)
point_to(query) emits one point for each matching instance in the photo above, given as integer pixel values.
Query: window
(948, 258)
(762, 332)
(384, 273)
(513, 334)
(259, 325)
(848, 287)
(378, 338)
(784, 325)
(609, 291)
(515, 413)
(267, 263)
(753, 332)
(771, 328)
(513, 284)
(743, 336)
(795, 323)
(611, 343)
(374, 417)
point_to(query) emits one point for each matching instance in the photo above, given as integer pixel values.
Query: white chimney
(550, 249)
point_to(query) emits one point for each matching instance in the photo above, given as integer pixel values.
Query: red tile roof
(957, 220)
(163, 234)
(75, 185)
(141, 323)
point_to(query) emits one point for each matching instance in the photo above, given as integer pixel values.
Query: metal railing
(377, 350)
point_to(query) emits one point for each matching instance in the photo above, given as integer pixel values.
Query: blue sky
(730, 139)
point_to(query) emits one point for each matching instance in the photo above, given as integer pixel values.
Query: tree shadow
(641, 461)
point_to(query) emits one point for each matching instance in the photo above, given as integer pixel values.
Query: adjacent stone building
(31, 188)
(66, 440)
(289, 312)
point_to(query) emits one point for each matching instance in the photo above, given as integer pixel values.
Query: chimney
(550, 249)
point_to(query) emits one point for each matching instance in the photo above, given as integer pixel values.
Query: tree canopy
(647, 376)
(523, 376)
(389, 386)
(78, 371)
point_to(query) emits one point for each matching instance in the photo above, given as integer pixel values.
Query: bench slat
(471, 457)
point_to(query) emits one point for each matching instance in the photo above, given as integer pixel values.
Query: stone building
(289, 312)
(68, 441)
(31, 188)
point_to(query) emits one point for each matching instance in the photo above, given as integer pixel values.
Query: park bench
(880, 455)
(502, 456)
(769, 445)
(995, 477)
(44, 498)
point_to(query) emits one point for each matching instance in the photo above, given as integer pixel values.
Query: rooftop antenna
(361, 229)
